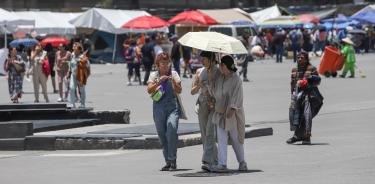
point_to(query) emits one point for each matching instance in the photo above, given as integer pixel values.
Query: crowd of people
(72, 68)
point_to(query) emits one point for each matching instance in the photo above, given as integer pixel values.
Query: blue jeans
(279, 49)
(166, 116)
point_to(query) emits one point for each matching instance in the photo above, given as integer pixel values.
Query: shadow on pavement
(210, 174)
(313, 144)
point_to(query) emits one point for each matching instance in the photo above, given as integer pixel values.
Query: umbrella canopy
(214, 42)
(55, 41)
(27, 42)
(145, 22)
(192, 17)
(306, 18)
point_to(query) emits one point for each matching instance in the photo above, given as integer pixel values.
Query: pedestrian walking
(40, 70)
(63, 57)
(186, 55)
(176, 54)
(229, 116)
(349, 52)
(164, 86)
(248, 57)
(278, 41)
(133, 62)
(51, 55)
(203, 82)
(147, 58)
(15, 67)
(306, 99)
(79, 72)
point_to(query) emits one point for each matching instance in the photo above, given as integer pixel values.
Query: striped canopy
(283, 22)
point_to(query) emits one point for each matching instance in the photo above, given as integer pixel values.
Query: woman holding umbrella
(203, 81)
(15, 66)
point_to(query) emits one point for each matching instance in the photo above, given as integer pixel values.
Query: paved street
(342, 136)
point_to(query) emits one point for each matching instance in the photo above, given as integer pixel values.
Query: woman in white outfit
(38, 56)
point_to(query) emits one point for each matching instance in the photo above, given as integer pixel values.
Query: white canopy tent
(265, 14)
(227, 16)
(109, 20)
(49, 23)
(10, 21)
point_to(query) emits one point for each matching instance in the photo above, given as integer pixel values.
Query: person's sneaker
(219, 168)
(128, 83)
(36, 101)
(352, 76)
(60, 100)
(184, 76)
(242, 166)
(206, 167)
(293, 139)
(306, 141)
(173, 166)
(342, 76)
(166, 167)
(246, 80)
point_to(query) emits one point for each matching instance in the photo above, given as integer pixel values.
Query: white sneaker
(60, 100)
(129, 83)
(242, 166)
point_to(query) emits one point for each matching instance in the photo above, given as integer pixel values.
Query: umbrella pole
(114, 49)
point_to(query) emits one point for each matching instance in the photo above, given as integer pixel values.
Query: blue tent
(367, 16)
(339, 19)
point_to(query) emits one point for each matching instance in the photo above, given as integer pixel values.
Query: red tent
(307, 18)
(192, 17)
(145, 22)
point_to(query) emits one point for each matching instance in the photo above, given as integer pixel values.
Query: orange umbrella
(192, 17)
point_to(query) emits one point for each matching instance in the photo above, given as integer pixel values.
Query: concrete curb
(92, 142)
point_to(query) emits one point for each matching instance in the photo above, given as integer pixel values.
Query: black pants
(148, 67)
(135, 67)
(244, 66)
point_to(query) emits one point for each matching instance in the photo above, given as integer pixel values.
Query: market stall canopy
(268, 13)
(308, 18)
(192, 17)
(366, 15)
(49, 23)
(324, 13)
(10, 19)
(227, 16)
(282, 21)
(106, 20)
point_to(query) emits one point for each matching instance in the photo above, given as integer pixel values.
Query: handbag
(157, 95)
(46, 67)
(20, 68)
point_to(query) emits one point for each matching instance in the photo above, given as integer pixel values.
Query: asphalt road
(342, 135)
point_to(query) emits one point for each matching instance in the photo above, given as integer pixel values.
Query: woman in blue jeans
(167, 109)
